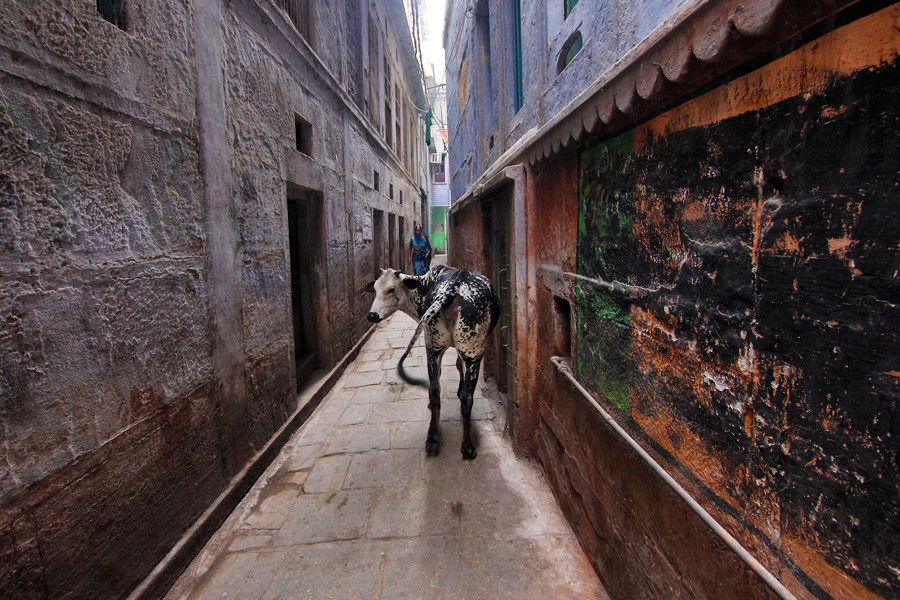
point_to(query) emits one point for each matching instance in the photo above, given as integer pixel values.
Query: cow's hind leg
(466, 398)
(432, 442)
(460, 366)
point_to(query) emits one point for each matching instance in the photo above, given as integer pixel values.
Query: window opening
(440, 175)
(378, 241)
(482, 15)
(517, 54)
(114, 12)
(391, 191)
(300, 13)
(303, 135)
(354, 51)
(376, 180)
(372, 75)
(568, 6)
(569, 50)
(388, 128)
(398, 115)
(388, 106)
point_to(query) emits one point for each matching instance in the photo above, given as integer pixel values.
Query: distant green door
(438, 237)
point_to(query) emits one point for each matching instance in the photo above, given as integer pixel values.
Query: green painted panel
(603, 333)
(438, 235)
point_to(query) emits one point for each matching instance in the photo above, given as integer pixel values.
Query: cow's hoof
(469, 453)
(432, 447)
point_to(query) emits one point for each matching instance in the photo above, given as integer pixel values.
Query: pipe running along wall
(564, 366)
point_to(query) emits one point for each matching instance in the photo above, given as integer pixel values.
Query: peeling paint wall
(146, 347)
(735, 300)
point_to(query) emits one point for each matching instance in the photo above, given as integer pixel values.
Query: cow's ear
(370, 287)
(411, 282)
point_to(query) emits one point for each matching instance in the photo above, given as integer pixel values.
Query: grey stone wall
(146, 346)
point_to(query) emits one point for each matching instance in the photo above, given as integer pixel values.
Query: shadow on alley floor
(353, 508)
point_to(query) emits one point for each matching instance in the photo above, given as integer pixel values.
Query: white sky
(432, 51)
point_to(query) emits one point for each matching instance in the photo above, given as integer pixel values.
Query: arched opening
(569, 50)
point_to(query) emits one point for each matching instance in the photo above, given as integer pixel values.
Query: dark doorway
(392, 241)
(401, 244)
(378, 240)
(305, 235)
(496, 251)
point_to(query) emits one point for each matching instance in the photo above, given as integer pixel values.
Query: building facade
(690, 209)
(439, 190)
(192, 196)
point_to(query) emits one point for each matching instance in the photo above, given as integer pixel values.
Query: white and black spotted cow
(455, 308)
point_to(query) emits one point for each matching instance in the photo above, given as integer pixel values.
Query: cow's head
(390, 291)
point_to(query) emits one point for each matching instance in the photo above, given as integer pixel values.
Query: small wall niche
(303, 135)
(562, 327)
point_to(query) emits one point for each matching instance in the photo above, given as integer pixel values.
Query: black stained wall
(739, 302)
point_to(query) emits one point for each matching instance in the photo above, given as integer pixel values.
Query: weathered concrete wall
(723, 276)
(146, 351)
(106, 364)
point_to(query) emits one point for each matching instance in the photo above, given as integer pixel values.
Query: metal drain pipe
(564, 366)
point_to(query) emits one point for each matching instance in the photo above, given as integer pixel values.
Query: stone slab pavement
(353, 508)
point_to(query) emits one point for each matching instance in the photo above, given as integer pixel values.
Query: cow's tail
(495, 311)
(429, 315)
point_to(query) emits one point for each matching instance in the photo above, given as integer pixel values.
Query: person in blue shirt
(420, 252)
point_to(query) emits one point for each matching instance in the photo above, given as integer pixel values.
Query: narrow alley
(353, 508)
(687, 211)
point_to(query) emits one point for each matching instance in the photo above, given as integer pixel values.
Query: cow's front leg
(473, 367)
(432, 442)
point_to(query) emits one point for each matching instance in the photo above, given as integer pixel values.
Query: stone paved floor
(353, 508)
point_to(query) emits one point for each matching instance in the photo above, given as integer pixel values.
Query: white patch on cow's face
(389, 291)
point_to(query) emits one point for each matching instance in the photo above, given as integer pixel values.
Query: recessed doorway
(305, 237)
